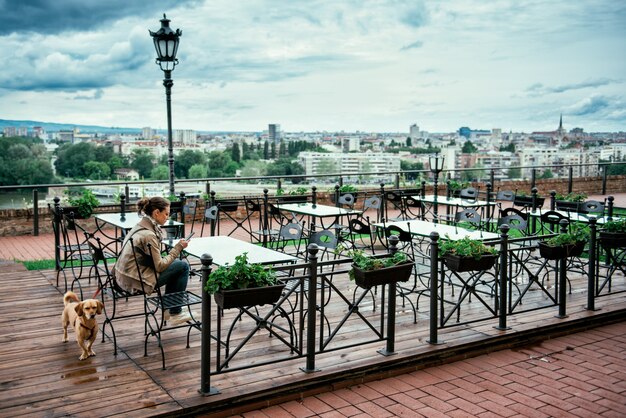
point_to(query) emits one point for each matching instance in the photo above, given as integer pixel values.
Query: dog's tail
(70, 297)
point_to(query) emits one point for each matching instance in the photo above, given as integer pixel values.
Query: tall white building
(414, 131)
(315, 163)
(274, 132)
(147, 132)
(184, 136)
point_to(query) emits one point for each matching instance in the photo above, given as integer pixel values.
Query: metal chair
(211, 217)
(591, 206)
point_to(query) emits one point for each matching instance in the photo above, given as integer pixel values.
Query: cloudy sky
(311, 65)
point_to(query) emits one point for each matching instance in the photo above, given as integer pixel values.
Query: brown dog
(82, 316)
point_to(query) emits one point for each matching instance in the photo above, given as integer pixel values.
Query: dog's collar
(91, 330)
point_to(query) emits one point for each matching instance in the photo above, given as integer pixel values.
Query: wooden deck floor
(41, 376)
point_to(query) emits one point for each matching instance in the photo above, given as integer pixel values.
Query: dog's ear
(99, 307)
(79, 309)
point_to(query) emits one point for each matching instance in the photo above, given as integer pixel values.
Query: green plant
(298, 191)
(369, 262)
(571, 197)
(576, 234)
(346, 188)
(173, 198)
(241, 275)
(457, 185)
(615, 226)
(85, 202)
(466, 247)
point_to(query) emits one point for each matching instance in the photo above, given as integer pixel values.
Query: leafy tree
(409, 166)
(408, 141)
(469, 148)
(547, 174)
(142, 161)
(282, 149)
(285, 166)
(97, 170)
(198, 171)
(266, 151)
(186, 159)
(514, 173)
(273, 150)
(160, 172)
(71, 158)
(220, 164)
(254, 168)
(235, 153)
(509, 148)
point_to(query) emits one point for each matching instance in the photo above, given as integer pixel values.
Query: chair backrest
(359, 227)
(513, 211)
(324, 239)
(403, 236)
(211, 217)
(291, 230)
(469, 193)
(346, 199)
(252, 206)
(551, 220)
(514, 222)
(505, 195)
(591, 206)
(372, 202)
(468, 215)
(567, 206)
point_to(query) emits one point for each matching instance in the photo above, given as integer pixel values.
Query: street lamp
(166, 45)
(436, 166)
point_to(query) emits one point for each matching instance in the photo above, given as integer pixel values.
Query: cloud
(414, 45)
(97, 94)
(58, 16)
(539, 89)
(589, 106)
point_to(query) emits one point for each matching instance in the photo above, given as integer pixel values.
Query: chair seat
(174, 300)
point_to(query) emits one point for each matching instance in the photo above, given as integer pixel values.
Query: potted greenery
(526, 200)
(370, 270)
(569, 244)
(297, 195)
(613, 233)
(467, 254)
(454, 187)
(243, 284)
(343, 190)
(82, 205)
(570, 201)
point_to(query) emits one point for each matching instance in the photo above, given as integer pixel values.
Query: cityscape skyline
(313, 66)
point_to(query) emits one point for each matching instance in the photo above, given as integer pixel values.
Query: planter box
(557, 253)
(527, 201)
(370, 278)
(252, 296)
(613, 239)
(461, 264)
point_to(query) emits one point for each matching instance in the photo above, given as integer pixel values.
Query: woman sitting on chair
(155, 270)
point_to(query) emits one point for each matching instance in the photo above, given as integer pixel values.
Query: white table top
(128, 221)
(424, 228)
(574, 216)
(317, 210)
(453, 201)
(224, 249)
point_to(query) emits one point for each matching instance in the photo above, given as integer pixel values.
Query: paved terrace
(537, 368)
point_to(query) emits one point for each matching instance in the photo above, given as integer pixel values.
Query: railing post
(314, 195)
(336, 195)
(279, 184)
(207, 189)
(504, 254)
(340, 181)
(492, 177)
(423, 189)
(591, 267)
(397, 181)
(570, 179)
(123, 206)
(562, 276)
(489, 208)
(205, 348)
(214, 221)
(383, 203)
(57, 239)
(311, 310)
(391, 306)
(265, 223)
(434, 274)
(533, 178)
(127, 191)
(35, 212)
(609, 212)
(534, 209)
(552, 199)
(448, 189)
(605, 170)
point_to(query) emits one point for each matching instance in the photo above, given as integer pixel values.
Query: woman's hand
(184, 243)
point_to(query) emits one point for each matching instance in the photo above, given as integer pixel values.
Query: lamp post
(166, 45)
(436, 166)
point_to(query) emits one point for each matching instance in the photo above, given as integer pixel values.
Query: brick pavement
(578, 375)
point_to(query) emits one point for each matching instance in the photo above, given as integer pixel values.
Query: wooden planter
(252, 296)
(557, 253)
(370, 278)
(461, 264)
(613, 239)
